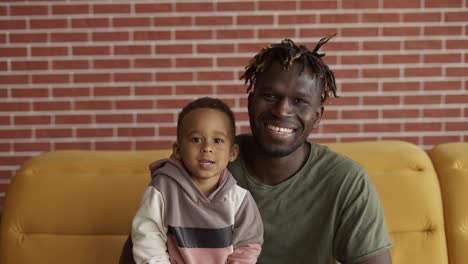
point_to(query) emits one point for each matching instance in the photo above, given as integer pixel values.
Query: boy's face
(284, 108)
(205, 144)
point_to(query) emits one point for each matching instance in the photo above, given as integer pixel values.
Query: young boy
(193, 211)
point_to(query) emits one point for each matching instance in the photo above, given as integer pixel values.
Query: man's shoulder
(334, 165)
(325, 154)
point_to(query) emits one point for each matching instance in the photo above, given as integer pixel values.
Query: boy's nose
(207, 148)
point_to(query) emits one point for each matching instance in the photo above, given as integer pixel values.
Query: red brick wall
(104, 75)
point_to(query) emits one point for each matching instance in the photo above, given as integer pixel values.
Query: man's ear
(318, 115)
(175, 151)
(249, 101)
(234, 152)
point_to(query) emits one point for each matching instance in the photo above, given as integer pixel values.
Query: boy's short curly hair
(211, 103)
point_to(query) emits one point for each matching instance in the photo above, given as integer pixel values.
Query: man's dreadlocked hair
(286, 53)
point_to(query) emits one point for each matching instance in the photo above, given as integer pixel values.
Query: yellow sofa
(76, 206)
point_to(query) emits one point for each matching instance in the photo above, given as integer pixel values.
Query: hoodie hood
(175, 170)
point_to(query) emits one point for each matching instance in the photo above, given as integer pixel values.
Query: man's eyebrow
(269, 87)
(264, 85)
(303, 94)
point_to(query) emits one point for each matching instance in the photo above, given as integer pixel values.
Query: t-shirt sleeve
(361, 231)
(247, 233)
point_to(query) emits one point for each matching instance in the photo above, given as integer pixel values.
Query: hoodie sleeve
(149, 235)
(247, 233)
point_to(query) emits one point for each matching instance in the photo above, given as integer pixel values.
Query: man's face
(284, 108)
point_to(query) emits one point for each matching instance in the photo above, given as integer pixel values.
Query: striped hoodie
(176, 223)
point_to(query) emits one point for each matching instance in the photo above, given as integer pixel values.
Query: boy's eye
(196, 140)
(218, 140)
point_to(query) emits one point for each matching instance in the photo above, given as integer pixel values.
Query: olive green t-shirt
(329, 209)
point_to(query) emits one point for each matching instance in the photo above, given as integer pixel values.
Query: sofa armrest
(451, 163)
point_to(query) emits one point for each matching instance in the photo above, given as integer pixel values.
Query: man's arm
(384, 258)
(362, 231)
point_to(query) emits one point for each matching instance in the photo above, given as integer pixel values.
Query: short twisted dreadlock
(286, 53)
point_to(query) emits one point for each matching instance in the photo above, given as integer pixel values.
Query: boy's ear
(234, 152)
(175, 151)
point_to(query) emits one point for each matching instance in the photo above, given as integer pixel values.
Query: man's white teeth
(280, 130)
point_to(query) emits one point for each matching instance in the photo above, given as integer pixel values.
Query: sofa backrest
(409, 189)
(77, 206)
(73, 206)
(451, 163)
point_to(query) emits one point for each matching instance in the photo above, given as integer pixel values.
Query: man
(316, 205)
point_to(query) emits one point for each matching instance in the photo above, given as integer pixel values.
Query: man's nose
(283, 107)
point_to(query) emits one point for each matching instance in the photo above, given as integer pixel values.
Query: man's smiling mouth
(280, 130)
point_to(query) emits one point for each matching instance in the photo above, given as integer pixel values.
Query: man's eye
(196, 140)
(218, 140)
(269, 97)
(300, 101)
